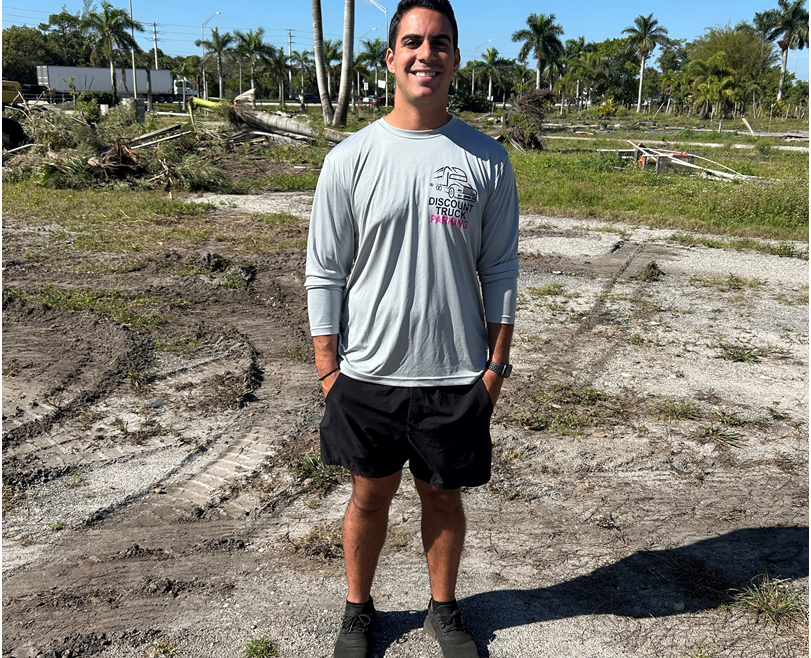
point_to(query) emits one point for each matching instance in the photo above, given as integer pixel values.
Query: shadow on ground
(645, 584)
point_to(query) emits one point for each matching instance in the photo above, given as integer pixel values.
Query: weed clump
(315, 474)
(260, 647)
(324, 541)
(772, 600)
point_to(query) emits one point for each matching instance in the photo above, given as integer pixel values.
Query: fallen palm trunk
(271, 122)
(267, 121)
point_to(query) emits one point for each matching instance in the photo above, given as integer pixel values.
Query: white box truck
(165, 89)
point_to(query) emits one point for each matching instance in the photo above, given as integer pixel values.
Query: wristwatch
(499, 369)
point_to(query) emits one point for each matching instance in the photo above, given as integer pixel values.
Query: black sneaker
(446, 623)
(356, 629)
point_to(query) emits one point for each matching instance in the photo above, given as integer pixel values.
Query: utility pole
(290, 59)
(155, 39)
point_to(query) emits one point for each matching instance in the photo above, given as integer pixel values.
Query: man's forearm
(326, 353)
(500, 338)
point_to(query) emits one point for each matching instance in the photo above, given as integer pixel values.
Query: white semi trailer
(78, 79)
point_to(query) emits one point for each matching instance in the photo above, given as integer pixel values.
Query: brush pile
(524, 123)
(88, 150)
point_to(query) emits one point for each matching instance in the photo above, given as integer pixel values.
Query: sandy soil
(155, 495)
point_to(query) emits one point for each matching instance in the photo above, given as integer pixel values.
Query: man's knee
(370, 495)
(432, 497)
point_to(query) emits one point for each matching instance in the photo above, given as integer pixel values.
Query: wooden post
(657, 164)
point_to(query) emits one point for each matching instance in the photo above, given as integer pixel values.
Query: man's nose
(426, 51)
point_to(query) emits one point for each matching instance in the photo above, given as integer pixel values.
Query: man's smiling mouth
(425, 74)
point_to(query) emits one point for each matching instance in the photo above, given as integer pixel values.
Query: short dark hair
(405, 6)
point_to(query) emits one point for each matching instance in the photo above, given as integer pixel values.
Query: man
(411, 275)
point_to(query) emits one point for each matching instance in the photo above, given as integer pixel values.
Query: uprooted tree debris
(85, 149)
(524, 123)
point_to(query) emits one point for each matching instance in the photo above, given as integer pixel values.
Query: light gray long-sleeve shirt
(413, 243)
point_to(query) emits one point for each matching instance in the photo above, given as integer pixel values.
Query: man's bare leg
(365, 524)
(443, 537)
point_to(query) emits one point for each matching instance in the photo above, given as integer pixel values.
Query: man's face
(424, 59)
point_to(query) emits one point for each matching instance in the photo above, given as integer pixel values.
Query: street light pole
(356, 54)
(203, 54)
(386, 12)
(132, 34)
(473, 68)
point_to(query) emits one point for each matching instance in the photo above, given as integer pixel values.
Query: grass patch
(297, 352)
(226, 391)
(274, 218)
(786, 249)
(315, 474)
(740, 353)
(110, 220)
(772, 600)
(162, 648)
(721, 435)
(568, 409)
(283, 182)
(324, 541)
(312, 155)
(10, 498)
(135, 311)
(727, 284)
(551, 290)
(636, 339)
(569, 185)
(677, 410)
(260, 647)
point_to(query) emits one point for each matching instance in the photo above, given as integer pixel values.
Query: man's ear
(390, 60)
(457, 59)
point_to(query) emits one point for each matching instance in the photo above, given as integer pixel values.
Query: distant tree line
(730, 70)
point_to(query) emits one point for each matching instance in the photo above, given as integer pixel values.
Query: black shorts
(442, 431)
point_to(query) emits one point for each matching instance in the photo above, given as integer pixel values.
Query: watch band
(505, 370)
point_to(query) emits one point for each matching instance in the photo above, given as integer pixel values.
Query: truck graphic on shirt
(454, 181)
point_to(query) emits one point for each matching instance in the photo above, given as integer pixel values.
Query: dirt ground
(161, 496)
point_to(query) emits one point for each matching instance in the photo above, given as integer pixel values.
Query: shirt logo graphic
(453, 181)
(457, 197)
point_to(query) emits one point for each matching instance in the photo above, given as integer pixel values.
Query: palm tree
(332, 54)
(345, 88)
(541, 37)
(493, 67)
(374, 54)
(322, 79)
(643, 36)
(109, 29)
(790, 22)
(253, 45)
(238, 54)
(219, 44)
(595, 69)
(277, 66)
(302, 58)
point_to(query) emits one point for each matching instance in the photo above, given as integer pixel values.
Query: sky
(482, 23)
